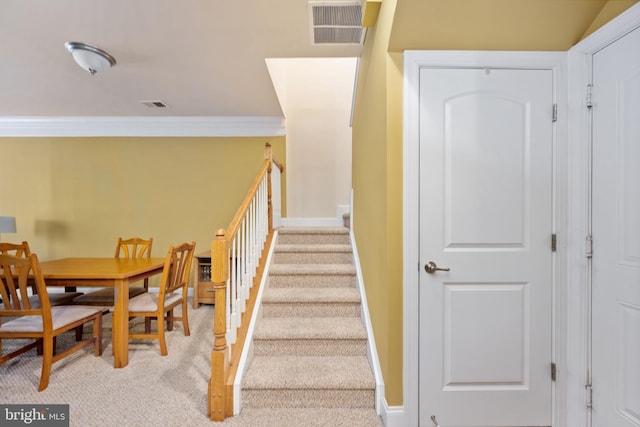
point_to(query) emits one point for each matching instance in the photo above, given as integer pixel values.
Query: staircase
(310, 364)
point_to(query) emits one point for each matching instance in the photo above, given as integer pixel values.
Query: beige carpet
(310, 344)
(172, 390)
(151, 390)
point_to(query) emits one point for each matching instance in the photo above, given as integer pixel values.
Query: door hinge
(554, 113)
(589, 100)
(589, 388)
(589, 246)
(554, 242)
(554, 371)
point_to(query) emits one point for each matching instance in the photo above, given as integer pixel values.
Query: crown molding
(141, 126)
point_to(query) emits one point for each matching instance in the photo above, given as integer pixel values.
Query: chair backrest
(134, 248)
(20, 250)
(177, 268)
(17, 273)
(15, 249)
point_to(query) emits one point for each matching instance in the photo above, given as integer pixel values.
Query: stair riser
(252, 398)
(309, 347)
(310, 310)
(304, 327)
(312, 281)
(312, 258)
(313, 239)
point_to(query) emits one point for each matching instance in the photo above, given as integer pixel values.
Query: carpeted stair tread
(311, 295)
(309, 372)
(307, 417)
(313, 230)
(311, 235)
(312, 269)
(313, 248)
(310, 343)
(328, 253)
(314, 328)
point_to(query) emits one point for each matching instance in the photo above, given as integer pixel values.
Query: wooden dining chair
(172, 293)
(22, 250)
(125, 248)
(44, 322)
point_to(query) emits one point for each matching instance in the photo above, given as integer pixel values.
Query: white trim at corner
(393, 416)
(141, 126)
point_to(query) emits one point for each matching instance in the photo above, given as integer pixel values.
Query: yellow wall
(609, 11)
(377, 195)
(377, 161)
(76, 196)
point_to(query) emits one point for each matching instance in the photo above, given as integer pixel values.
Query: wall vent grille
(336, 22)
(154, 104)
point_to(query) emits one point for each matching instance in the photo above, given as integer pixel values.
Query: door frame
(578, 307)
(413, 62)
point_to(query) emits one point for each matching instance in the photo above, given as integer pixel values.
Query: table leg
(120, 329)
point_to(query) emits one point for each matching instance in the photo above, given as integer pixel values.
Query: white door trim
(579, 215)
(413, 61)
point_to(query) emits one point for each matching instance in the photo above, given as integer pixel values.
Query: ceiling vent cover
(154, 104)
(336, 22)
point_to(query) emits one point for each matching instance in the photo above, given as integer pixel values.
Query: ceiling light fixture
(90, 58)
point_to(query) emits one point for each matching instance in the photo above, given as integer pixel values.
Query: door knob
(431, 267)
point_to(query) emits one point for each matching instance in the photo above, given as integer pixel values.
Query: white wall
(316, 96)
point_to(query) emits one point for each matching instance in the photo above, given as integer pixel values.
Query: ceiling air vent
(336, 22)
(154, 104)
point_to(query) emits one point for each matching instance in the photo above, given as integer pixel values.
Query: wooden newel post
(268, 155)
(219, 354)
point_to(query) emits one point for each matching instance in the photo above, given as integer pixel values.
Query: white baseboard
(372, 352)
(277, 221)
(245, 356)
(392, 416)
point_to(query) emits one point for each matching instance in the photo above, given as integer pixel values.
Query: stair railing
(238, 255)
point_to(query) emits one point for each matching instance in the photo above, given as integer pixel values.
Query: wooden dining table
(117, 273)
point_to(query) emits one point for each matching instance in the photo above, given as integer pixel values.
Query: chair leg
(97, 334)
(147, 325)
(163, 343)
(39, 349)
(79, 333)
(47, 360)
(185, 318)
(170, 320)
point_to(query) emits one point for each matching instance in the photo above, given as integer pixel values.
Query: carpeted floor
(151, 390)
(311, 308)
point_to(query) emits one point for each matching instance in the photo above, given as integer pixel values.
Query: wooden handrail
(232, 229)
(249, 220)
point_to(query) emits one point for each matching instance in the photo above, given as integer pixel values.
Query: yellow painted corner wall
(377, 196)
(609, 11)
(76, 196)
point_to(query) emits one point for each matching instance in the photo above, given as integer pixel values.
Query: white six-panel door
(616, 234)
(485, 215)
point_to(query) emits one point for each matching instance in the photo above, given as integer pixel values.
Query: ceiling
(207, 58)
